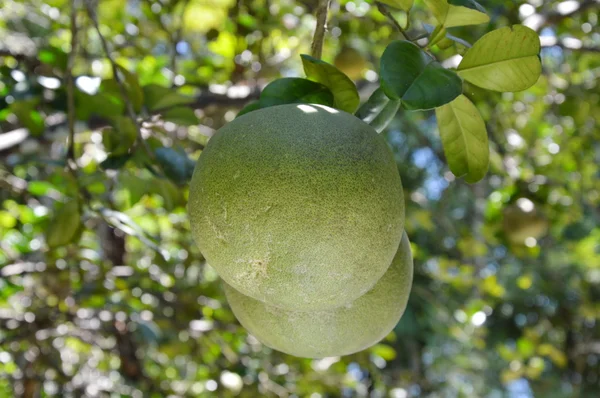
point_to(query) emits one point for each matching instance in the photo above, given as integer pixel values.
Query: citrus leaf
(444, 42)
(506, 59)
(255, 105)
(290, 90)
(123, 222)
(181, 115)
(53, 56)
(464, 139)
(119, 139)
(176, 165)
(135, 94)
(410, 74)
(159, 97)
(114, 162)
(403, 5)
(345, 95)
(106, 105)
(378, 111)
(457, 12)
(374, 105)
(40, 188)
(386, 115)
(438, 34)
(29, 117)
(64, 225)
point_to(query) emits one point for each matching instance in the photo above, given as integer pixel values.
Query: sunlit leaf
(345, 95)
(450, 13)
(384, 351)
(404, 5)
(65, 224)
(464, 138)
(506, 59)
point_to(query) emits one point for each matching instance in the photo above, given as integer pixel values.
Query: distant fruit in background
(522, 220)
(350, 61)
(340, 331)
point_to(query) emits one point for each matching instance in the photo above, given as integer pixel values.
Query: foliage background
(129, 308)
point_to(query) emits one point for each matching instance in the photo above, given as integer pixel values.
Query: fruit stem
(319, 37)
(385, 11)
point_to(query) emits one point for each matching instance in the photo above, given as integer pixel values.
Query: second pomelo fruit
(340, 331)
(299, 206)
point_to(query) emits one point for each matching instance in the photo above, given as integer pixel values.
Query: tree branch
(319, 37)
(115, 68)
(71, 86)
(385, 11)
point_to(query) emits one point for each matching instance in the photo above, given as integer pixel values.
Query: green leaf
(457, 12)
(28, 116)
(446, 41)
(158, 97)
(134, 92)
(53, 56)
(384, 351)
(386, 115)
(464, 138)
(108, 105)
(40, 188)
(374, 105)
(65, 224)
(506, 59)
(413, 76)
(439, 33)
(176, 164)
(120, 139)
(249, 108)
(291, 90)
(345, 95)
(378, 111)
(123, 222)
(115, 162)
(404, 5)
(133, 88)
(181, 115)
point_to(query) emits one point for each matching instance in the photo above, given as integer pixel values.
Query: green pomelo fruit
(340, 331)
(298, 205)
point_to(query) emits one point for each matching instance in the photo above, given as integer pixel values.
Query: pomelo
(299, 206)
(335, 332)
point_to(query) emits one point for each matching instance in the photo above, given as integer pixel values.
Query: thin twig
(115, 68)
(385, 11)
(71, 87)
(176, 38)
(319, 37)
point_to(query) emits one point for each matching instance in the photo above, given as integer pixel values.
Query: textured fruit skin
(340, 331)
(299, 206)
